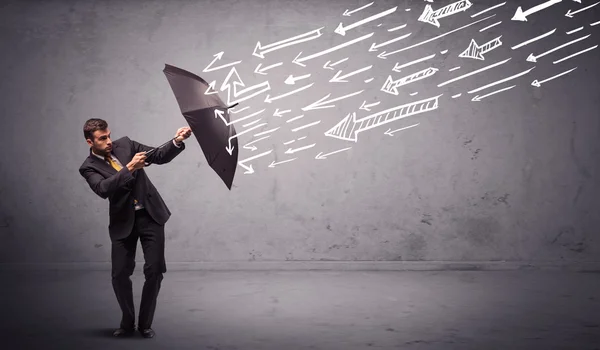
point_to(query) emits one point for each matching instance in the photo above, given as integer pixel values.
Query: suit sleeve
(162, 155)
(105, 187)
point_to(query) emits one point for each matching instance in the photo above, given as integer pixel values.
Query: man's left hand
(182, 134)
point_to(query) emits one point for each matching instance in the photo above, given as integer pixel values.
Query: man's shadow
(104, 333)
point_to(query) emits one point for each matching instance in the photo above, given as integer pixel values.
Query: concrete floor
(284, 310)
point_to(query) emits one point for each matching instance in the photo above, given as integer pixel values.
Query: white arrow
(348, 13)
(249, 169)
(273, 163)
(324, 156)
(211, 88)
(291, 80)
(299, 61)
(280, 113)
(430, 16)
(290, 151)
(340, 79)
(254, 148)
(259, 70)
(365, 106)
(476, 51)
(238, 82)
(321, 104)
(391, 132)
(260, 51)
(374, 46)
(533, 58)
(218, 57)
(537, 83)
(219, 113)
(341, 30)
(397, 67)
(570, 14)
(270, 99)
(521, 15)
(330, 66)
(229, 148)
(534, 39)
(575, 54)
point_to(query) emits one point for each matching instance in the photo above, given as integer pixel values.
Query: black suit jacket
(121, 187)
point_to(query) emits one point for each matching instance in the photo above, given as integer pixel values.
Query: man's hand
(182, 134)
(137, 162)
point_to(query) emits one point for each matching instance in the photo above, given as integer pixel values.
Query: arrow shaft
(561, 46)
(585, 8)
(266, 132)
(490, 45)
(301, 77)
(245, 131)
(284, 161)
(354, 73)
(451, 9)
(291, 92)
(313, 34)
(306, 126)
(247, 117)
(334, 152)
(301, 148)
(271, 66)
(262, 138)
(369, 19)
(414, 77)
(413, 62)
(497, 91)
(474, 72)
(557, 75)
(575, 54)
(255, 156)
(360, 8)
(534, 39)
(396, 113)
(391, 41)
(347, 43)
(221, 66)
(540, 7)
(406, 127)
(236, 93)
(502, 80)
(322, 104)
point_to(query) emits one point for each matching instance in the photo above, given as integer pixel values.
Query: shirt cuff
(176, 145)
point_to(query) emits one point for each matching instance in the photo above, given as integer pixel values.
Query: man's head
(97, 135)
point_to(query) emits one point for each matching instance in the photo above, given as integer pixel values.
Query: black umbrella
(204, 114)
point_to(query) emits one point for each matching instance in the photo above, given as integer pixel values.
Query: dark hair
(92, 125)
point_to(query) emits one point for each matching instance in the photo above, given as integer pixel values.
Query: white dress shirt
(139, 205)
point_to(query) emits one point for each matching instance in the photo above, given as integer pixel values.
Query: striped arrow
(475, 51)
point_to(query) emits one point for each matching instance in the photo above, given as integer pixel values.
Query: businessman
(114, 170)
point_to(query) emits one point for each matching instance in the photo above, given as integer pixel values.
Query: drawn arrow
(250, 169)
(229, 148)
(260, 51)
(533, 58)
(280, 113)
(349, 127)
(254, 148)
(340, 79)
(324, 156)
(521, 15)
(365, 106)
(348, 13)
(291, 80)
(259, 70)
(330, 66)
(391, 132)
(273, 163)
(299, 61)
(341, 30)
(290, 151)
(219, 113)
(537, 83)
(475, 51)
(238, 82)
(374, 46)
(218, 56)
(430, 16)
(570, 14)
(322, 104)
(397, 67)
(270, 99)
(391, 86)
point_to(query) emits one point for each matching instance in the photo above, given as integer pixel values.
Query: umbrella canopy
(211, 129)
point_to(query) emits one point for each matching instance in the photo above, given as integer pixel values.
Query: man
(114, 170)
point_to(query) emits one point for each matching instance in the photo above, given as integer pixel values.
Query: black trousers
(152, 238)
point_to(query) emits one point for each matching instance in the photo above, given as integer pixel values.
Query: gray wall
(513, 176)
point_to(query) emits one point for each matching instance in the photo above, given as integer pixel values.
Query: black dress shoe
(124, 332)
(147, 333)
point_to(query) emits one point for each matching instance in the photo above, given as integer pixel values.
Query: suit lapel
(116, 152)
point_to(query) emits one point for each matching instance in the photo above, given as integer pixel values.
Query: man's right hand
(137, 162)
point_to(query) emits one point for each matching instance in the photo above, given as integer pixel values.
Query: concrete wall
(513, 176)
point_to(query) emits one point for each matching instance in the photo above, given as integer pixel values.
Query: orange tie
(117, 168)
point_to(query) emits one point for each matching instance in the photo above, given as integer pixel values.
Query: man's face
(102, 143)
